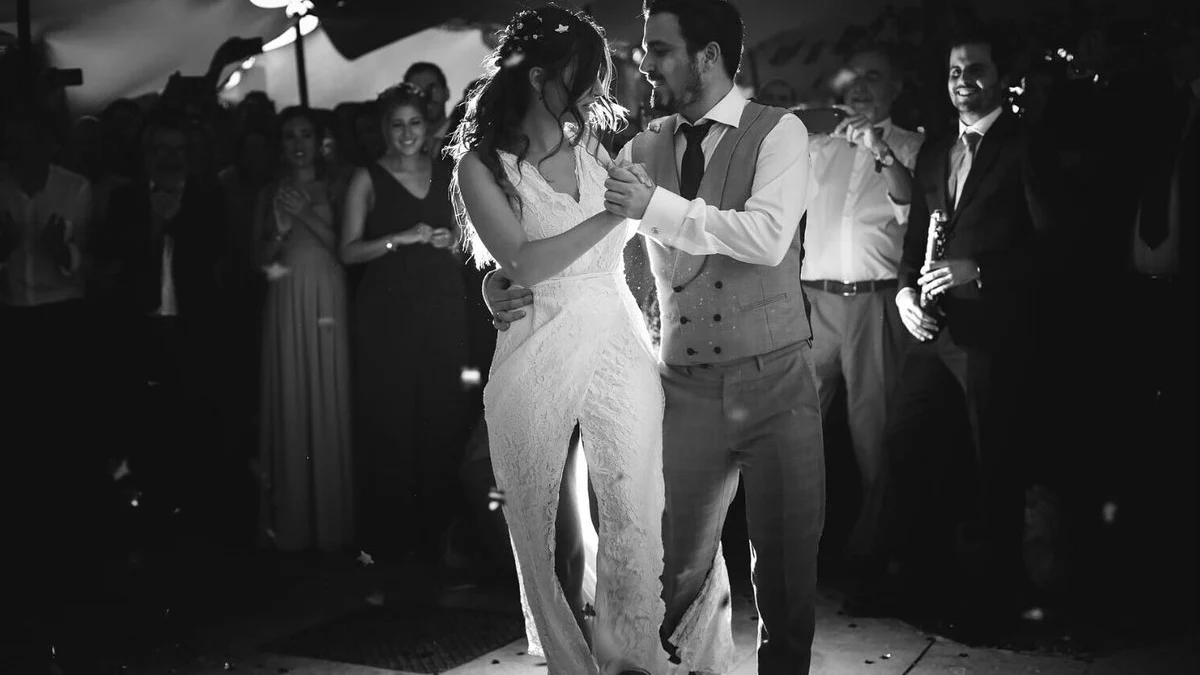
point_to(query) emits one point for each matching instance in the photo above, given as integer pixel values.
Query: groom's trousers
(760, 417)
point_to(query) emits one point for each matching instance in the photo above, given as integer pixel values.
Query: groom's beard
(664, 99)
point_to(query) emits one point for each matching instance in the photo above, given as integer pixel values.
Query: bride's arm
(526, 262)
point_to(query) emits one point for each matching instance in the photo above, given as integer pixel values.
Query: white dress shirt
(981, 127)
(855, 232)
(29, 277)
(167, 305)
(761, 233)
(1164, 259)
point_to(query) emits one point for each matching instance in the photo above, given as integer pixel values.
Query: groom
(721, 210)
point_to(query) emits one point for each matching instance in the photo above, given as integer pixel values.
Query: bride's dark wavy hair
(550, 38)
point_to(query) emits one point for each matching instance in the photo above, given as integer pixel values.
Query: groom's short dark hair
(705, 21)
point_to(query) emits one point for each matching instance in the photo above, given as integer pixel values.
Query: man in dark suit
(976, 324)
(161, 255)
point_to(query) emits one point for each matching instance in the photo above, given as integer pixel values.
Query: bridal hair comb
(526, 28)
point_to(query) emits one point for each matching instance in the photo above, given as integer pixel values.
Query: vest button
(691, 352)
(719, 285)
(716, 350)
(678, 289)
(683, 319)
(716, 317)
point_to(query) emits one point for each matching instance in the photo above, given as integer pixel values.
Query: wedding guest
(430, 79)
(978, 334)
(45, 391)
(410, 334)
(304, 455)
(163, 246)
(860, 189)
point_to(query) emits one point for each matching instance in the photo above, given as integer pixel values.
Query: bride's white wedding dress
(582, 355)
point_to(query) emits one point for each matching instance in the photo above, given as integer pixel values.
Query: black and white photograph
(599, 337)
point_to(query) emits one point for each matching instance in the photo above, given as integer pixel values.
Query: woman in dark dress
(305, 453)
(409, 336)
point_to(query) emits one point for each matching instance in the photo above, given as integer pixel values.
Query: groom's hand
(504, 299)
(628, 191)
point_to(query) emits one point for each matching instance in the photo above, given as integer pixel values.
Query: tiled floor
(843, 646)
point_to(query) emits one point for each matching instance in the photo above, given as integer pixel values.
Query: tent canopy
(129, 47)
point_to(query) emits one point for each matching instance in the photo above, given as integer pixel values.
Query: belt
(849, 288)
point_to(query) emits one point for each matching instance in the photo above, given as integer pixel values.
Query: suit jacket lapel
(989, 151)
(941, 175)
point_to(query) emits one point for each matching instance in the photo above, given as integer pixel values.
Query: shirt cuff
(899, 210)
(664, 217)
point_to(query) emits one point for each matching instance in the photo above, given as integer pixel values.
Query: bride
(529, 187)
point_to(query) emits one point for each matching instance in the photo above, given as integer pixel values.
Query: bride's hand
(623, 170)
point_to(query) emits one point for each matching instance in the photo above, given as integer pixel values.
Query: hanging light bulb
(298, 7)
(308, 24)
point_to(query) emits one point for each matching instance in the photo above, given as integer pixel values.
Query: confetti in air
(365, 558)
(326, 321)
(121, 471)
(375, 599)
(1110, 513)
(270, 533)
(471, 377)
(496, 497)
(275, 271)
(1034, 614)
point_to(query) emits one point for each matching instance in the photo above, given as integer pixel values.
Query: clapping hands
(292, 201)
(441, 238)
(859, 129)
(628, 190)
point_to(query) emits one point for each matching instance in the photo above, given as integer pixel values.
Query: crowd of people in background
(270, 315)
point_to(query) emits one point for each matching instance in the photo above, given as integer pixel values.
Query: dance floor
(844, 645)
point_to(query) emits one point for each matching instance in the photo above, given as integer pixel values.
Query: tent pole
(301, 70)
(25, 45)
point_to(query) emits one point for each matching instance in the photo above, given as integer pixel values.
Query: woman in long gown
(410, 337)
(531, 183)
(304, 454)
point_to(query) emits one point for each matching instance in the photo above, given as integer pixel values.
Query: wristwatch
(888, 159)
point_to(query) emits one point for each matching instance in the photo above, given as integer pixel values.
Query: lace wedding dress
(582, 355)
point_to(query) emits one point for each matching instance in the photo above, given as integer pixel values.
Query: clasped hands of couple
(628, 190)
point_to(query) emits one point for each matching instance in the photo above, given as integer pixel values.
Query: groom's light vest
(714, 308)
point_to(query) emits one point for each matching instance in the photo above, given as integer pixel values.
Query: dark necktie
(691, 171)
(1156, 197)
